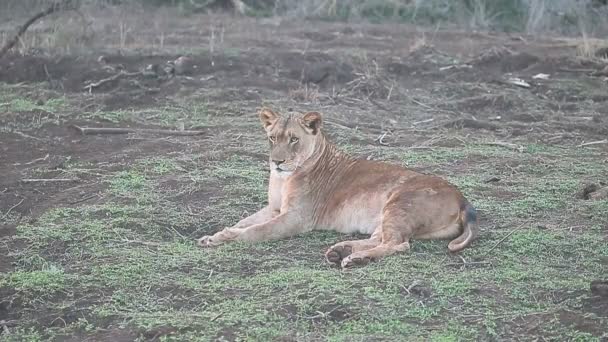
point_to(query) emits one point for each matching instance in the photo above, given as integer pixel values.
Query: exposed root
(58, 6)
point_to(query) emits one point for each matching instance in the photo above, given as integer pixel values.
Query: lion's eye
(272, 139)
(294, 140)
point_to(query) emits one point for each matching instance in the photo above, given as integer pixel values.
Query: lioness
(315, 186)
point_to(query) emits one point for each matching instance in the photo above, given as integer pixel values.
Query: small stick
(509, 234)
(380, 139)
(11, 208)
(83, 199)
(470, 263)
(10, 322)
(216, 317)
(48, 180)
(423, 121)
(121, 130)
(33, 161)
(145, 243)
(408, 289)
(599, 142)
(26, 135)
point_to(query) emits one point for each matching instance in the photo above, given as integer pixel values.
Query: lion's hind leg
(394, 234)
(336, 253)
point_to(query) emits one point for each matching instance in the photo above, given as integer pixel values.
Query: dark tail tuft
(470, 228)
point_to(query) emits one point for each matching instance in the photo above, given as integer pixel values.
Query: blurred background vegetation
(567, 17)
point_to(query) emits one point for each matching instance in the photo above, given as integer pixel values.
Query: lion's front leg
(263, 215)
(281, 226)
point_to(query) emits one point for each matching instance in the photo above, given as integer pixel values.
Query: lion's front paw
(225, 235)
(337, 253)
(207, 241)
(354, 260)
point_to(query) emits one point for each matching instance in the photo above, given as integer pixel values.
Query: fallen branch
(122, 130)
(11, 209)
(380, 139)
(591, 143)
(89, 87)
(58, 6)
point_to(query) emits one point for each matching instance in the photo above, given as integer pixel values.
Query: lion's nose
(278, 162)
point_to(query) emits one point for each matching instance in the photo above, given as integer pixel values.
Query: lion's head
(293, 138)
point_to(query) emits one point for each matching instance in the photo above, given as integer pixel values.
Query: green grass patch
(136, 251)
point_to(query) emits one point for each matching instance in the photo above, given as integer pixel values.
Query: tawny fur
(313, 186)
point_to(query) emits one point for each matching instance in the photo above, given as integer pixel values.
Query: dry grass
(587, 47)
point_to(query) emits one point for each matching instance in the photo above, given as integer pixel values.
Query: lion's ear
(268, 117)
(312, 121)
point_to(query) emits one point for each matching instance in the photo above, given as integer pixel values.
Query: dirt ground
(98, 232)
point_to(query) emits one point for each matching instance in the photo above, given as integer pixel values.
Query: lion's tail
(470, 229)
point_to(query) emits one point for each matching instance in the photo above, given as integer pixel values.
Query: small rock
(541, 76)
(586, 190)
(183, 65)
(600, 194)
(603, 72)
(602, 52)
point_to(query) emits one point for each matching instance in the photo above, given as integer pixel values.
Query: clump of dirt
(599, 288)
(317, 68)
(504, 59)
(593, 191)
(601, 52)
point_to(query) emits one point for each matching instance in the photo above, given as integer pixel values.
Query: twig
(323, 314)
(575, 70)
(89, 87)
(26, 135)
(408, 289)
(423, 121)
(121, 130)
(507, 236)
(11, 209)
(507, 315)
(380, 139)
(470, 123)
(34, 161)
(338, 124)
(469, 263)
(145, 243)
(216, 317)
(599, 142)
(48, 180)
(83, 199)
(9, 323)
(58, 6)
